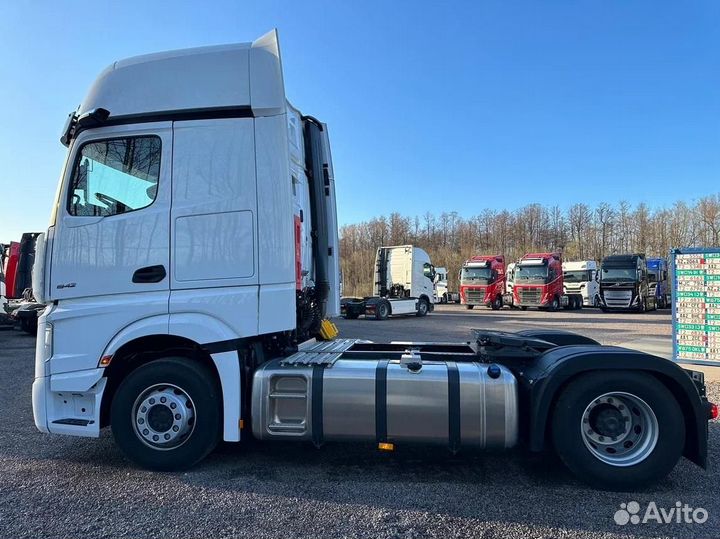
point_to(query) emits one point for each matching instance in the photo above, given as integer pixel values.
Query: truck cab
(659, 281)
(482, 281)
(624, 283)
(539, 283)
(581, 278)
(186, 216)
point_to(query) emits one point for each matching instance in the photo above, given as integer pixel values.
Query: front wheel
(497, 304)
(422, 308)
(167, 414)
(618, 430)
(469, 307)
(554, 304)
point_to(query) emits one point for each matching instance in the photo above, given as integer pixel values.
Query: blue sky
(439, 106)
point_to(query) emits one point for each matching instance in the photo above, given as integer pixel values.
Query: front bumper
(69, 403)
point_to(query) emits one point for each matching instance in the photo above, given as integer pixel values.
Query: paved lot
(71, 487)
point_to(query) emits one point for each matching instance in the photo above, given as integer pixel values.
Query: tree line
(580, 232)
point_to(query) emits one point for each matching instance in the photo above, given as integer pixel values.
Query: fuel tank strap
(453, 406)
(317, 405)
(381, 401)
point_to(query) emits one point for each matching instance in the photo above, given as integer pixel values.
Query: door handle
(149, 274)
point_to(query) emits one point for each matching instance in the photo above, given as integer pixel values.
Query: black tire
(444, 299)
(596, 302)
(579, 304)
(569, 441)
(524, 307)
(604, 309)
(199, 383)
(497, 304)
(554, 304)
(382, 310)
(351, 316)
(423, 307)
(469, 307)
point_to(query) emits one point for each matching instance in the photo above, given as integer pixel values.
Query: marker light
(105, 361)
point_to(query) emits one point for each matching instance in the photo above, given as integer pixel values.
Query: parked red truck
(539, 283)
(482, 281)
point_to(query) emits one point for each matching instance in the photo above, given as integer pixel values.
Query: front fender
(542, 382)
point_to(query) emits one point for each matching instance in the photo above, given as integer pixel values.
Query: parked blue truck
(659, 281)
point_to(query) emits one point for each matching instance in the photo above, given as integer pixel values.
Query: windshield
(482, 275)
(531, 274)
(579, 276)
(628, 275)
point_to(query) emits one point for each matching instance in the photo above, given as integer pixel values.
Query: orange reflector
(241, 424)
(105, 361)
(384, 446)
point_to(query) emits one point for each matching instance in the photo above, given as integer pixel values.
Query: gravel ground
(53, 486)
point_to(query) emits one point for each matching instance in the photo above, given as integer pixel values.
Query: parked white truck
(182, 297)
(442, 291)
(580, 277)
(404, 284)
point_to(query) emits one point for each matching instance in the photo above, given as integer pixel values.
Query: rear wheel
(618, 430)
(382, 310)
(422, 308)
(167, 414)
(351, 315)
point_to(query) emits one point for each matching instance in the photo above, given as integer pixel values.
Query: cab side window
(115, 176)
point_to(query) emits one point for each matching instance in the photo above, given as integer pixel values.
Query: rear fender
(542, 383)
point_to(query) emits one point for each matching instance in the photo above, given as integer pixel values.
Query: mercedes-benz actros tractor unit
(184, 301)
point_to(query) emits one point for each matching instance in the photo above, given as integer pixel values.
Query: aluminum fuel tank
(449, 403)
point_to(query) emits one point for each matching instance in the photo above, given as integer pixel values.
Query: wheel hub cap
(619, 429)
(163, 416)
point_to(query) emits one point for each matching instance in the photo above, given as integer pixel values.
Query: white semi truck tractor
(192, 255)
(404, 284)
(580, 277)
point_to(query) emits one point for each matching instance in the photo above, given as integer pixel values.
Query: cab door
(112, 228)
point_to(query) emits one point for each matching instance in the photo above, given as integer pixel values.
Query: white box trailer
(182, 304)
(404, 284)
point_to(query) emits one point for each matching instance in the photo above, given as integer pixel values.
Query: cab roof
(241, 77)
